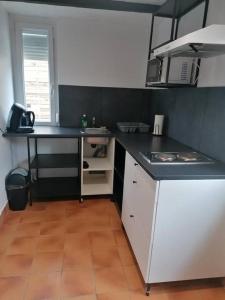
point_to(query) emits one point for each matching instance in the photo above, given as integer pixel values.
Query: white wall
(6, 100)
(94, 47)
(212, 71)
(103, 51)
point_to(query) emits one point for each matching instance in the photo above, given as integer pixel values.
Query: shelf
(59, 187)
(98, 164)
(167, 9)
(42, 161)
(168, 85)
(96, 185)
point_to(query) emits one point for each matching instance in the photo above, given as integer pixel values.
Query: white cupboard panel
(141, 247)
(138, 212)
(144, 202)
(189, 238)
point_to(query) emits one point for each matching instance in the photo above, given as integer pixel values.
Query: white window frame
(19, 68)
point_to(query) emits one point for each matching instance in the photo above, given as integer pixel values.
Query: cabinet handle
(131, 216)
(134, 181)
(136, 164)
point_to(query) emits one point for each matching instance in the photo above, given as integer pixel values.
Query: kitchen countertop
(54, 132)
(141, 142)
(136, 143)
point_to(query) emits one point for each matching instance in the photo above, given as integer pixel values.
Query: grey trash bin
(17, 188)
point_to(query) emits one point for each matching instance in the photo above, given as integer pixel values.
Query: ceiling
(142, 6)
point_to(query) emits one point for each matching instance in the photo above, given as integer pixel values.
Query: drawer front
(130, 167)
(129, 177)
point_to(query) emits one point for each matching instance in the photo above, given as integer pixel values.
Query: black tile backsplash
(196, 117)
(107, 105)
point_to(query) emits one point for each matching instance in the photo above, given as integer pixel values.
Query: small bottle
(84, 121)
(93, 122)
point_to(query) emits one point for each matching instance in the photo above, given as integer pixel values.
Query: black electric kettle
(28, 119)
(20, 120)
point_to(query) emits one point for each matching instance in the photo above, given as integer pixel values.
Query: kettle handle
(32, 120)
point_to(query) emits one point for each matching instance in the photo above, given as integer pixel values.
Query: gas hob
(176, 158)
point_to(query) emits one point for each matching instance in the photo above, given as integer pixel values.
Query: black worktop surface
(136, 143)
(140, 142)
(54, 132)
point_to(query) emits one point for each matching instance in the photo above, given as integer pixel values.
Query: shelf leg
(29, 169)
(223, 282)
(36, 152)
(81, 200)
(147, 289)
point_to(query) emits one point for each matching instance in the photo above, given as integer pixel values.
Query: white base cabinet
(176, 227)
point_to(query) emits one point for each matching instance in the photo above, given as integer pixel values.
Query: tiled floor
(66, 250)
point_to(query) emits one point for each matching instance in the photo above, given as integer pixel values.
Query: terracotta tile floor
(72, 251)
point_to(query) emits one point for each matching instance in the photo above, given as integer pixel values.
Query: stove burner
(188, 156)
(165, 157)
(176, 158)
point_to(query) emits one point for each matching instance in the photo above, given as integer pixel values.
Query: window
(35, 73)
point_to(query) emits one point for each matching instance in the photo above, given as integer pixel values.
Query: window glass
(36, 73)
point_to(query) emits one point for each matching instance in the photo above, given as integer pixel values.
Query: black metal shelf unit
(43, 189)
(175, 9)
(42, 161)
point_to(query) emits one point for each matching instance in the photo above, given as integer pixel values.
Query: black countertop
(54, 132)
(136, 143)
(140, 142)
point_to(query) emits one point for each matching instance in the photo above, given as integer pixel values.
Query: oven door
(155, 71)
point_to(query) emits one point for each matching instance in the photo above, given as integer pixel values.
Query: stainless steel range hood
(203, 43)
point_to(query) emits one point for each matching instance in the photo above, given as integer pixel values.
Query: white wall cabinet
(176, 227)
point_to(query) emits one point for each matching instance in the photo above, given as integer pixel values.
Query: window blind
(35, 46)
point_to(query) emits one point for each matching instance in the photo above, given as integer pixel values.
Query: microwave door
(154, 71)
(157, 71)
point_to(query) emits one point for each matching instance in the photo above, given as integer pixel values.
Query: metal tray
(131, 127)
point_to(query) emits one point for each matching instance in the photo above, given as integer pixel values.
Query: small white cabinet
(176, 228)
(97, 176)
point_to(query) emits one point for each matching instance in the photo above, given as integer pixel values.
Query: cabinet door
(144, 202)
(189, 231)
(127, 219)
(128, 194)
(143, 208)
(138, 212)
(129, 180)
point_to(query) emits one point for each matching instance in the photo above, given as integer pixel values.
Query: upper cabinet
(172, 21)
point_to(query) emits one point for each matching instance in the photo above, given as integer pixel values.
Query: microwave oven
(182, 70)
